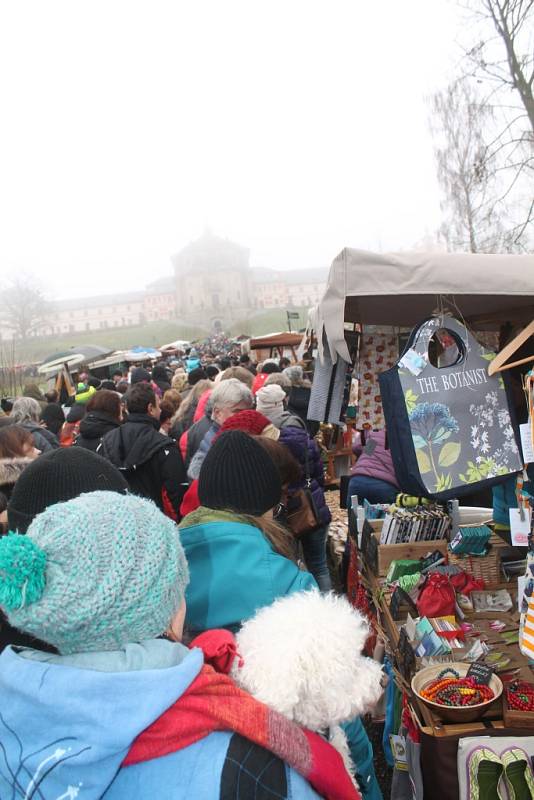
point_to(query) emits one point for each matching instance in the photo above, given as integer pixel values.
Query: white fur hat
(302, 657)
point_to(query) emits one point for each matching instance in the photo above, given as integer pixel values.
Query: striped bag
(526, 627)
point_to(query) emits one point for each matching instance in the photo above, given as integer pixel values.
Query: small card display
(480, 672)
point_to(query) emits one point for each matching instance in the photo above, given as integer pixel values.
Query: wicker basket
(486, 567)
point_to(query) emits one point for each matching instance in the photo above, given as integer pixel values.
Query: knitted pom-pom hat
(252, 422)
(239, 475)
(95, 573)
(58, 476)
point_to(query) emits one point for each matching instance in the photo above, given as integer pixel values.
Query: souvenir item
(449, 428)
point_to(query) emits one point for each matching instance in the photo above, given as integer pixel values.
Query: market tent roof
(73, 356)
(276, 340)
(140, 353)
(401, 289)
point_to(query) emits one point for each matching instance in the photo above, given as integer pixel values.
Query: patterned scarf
(213, 702)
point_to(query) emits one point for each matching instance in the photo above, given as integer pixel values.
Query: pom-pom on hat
(94, 573)
(239, 475)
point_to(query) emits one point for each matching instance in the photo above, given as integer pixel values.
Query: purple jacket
(297, 440)
(377, 464)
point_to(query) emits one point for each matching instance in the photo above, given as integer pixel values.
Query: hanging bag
(302, 516)
(449, 429)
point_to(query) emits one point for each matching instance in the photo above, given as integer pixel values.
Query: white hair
(295, 374)
(26, 409)
(229, 393)
(317, 678)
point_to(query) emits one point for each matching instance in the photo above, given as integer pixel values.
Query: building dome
(210, 253)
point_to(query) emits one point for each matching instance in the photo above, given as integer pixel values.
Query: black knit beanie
(239, 475)
(140, 375)
(57, 476)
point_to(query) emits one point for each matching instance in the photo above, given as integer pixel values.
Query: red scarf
(213, 702)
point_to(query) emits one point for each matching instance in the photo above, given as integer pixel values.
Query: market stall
(433, 568)
(276, 344)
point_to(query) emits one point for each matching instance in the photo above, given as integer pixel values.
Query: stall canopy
(402, 289)
(73, 357)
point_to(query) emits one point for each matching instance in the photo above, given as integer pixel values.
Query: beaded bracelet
(456, 691)
(520, 696)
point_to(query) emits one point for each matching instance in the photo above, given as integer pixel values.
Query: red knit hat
(249, 421)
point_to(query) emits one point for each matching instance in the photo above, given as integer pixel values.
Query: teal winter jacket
(234, 570)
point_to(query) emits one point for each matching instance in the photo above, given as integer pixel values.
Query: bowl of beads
(452, 696)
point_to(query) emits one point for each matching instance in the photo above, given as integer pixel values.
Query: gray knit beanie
(94, 573)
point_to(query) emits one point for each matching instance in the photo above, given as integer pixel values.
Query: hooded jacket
(375, 461)
(234, 570)
(150, 461)
(300, 445)
(93, 427)
(43, 439)
(68, 723)
(53, 417)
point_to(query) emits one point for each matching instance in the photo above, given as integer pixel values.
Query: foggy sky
(293, 127)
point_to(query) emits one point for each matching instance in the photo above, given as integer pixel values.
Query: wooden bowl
(454, 713)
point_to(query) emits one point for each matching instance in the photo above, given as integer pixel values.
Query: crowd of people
(164, 632)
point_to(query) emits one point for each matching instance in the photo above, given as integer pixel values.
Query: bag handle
(307, 466)
(420, 338)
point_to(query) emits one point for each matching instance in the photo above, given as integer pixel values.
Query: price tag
(480, 672)
(525, 432)
(413, 362)
(520, 528)
(370, 447)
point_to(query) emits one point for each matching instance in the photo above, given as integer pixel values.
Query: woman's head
(295, 374)
(107, 402)
(279, 379)
(286, 464)
(174, 398)
(240, 373)
(239, 475)
(17, 442)
(94, 574)
(26, 409)
(193, 397)
(271, 400)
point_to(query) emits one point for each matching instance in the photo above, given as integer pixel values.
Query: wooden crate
(516, 719)
(378, 557)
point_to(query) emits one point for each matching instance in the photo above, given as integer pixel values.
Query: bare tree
(459, 122)
(25, 309)
(502, 62)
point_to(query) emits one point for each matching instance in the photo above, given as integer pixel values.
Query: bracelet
(456, 691)
(520, 696)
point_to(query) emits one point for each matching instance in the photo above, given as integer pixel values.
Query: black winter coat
(93, 427)
(149, 461)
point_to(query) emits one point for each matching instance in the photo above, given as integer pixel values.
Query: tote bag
(449, 429)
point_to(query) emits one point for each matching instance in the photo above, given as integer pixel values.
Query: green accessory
(22, 571)
(484, 769)
(518, 773)
(401, 567)
(409, 582)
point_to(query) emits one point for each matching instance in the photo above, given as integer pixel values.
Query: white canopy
(404, 288)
